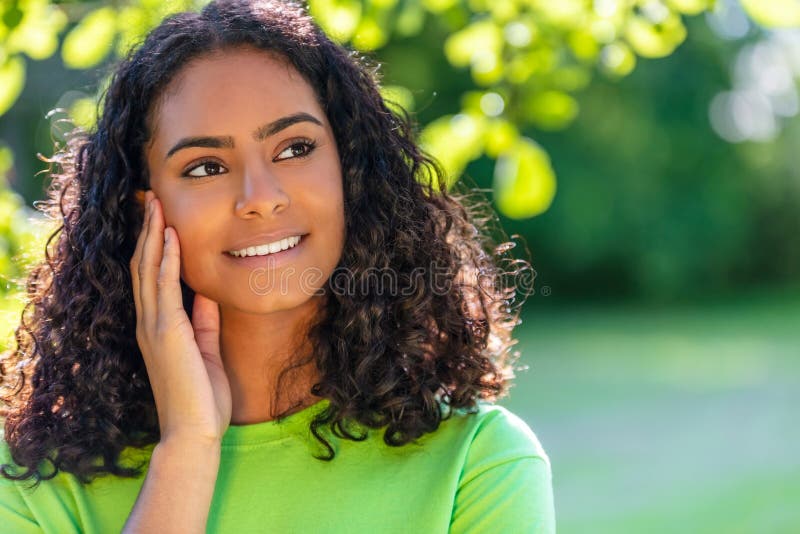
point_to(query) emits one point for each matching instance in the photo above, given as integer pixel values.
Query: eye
(298, 149)
(209, 167)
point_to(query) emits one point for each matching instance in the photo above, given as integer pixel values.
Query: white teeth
(268, 248)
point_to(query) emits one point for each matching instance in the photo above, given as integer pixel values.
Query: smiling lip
(263, 239)
(270, 261)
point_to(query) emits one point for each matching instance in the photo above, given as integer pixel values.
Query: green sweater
(481, 473)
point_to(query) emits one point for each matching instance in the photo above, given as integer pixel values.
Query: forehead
(236, 86)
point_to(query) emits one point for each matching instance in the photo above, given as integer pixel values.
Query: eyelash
(309, 145)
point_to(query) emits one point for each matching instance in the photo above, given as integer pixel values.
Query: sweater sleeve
(506, 484)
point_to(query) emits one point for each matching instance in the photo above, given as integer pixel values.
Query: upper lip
(263, 239)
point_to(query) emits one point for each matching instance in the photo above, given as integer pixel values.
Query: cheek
(330, 202)
(193, 233)
(321, 199)
(328, 192)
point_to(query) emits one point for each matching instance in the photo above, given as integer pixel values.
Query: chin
(271, 302)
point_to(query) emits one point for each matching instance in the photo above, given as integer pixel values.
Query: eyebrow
(226, 141)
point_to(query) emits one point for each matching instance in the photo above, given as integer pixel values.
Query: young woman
(262, 311)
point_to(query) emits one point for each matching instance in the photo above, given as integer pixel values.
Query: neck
(255, 349)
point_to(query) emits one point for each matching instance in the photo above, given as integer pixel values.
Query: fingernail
(166, 237)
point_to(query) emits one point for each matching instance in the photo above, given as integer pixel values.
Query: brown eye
(300, 149)
(205, 168)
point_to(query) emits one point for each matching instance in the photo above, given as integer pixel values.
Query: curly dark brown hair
(76, 388)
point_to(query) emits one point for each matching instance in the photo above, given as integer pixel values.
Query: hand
(190, 387)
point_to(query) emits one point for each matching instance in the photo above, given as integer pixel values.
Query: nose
(261, 194)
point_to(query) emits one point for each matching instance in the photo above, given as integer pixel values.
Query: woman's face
(242, 158)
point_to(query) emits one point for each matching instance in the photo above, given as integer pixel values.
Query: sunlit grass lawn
(667, 420)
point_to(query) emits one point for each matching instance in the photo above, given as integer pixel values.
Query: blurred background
(643, 150)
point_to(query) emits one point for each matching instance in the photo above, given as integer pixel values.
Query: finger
(170, 299)
(205, 323)
(136, 258)
(150, 264)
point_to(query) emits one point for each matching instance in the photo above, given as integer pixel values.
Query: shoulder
(63, 480)
(506, 479)
(497, 433)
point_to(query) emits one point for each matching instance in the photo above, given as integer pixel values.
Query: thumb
(205, 323)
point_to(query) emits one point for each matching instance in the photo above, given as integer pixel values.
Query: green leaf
(37, 33)
(83, 112)
(455, 140)
(476, 41)
(774, 13)
(158, 9)
(337, 18)
(411, 19)
(560, 13)
(487, 68)
(692, 7)
(487, 103)
(528, 64)
(550, 110)
(655, 40)
(438, 6)
(471, 101)
(12, 80)
(571, 77)
(503, 12)
(133, 24)
(501, 136)
(479, 45)
(617, 59)
(521, 32)
(397, 95)
(524, 180)
(583, 45)
(9, 203)
(369, 35)
(383, 4)
(40, 43)
(12, 16)
(88, 43)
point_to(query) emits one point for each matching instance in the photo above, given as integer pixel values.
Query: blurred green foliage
(526, 59)
(20, 242)
(652, 203)
(774, 13)
(513, 93)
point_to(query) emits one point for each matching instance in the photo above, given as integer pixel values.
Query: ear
(139, 194)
